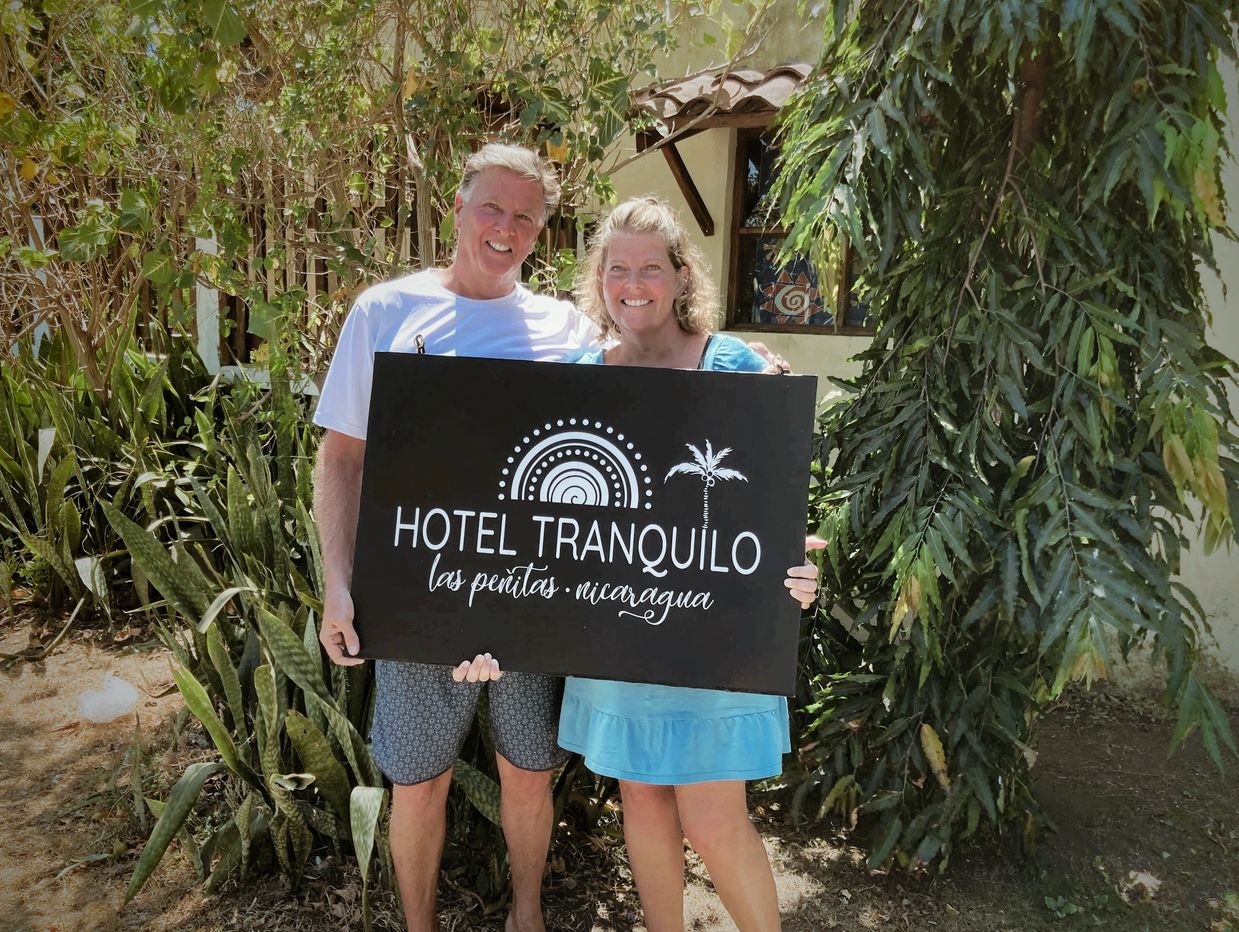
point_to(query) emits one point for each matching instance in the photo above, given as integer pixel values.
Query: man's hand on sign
(777, 364)
(801, 581)
(337, 635)
(482, 668)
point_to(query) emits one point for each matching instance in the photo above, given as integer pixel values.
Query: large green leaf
(365, 807)
(218, 603)
(47, 436)
(318, 757)
(200, 704)
(227, 27)
(290, 655)
(350, 741)
(179, 581)
(90, 572)
(56, 495)
(250, 820)
(158, 267)
(267, 722)
(240, 527)
(481, 790)
(177, 808)
(222, 661)
(86, 240)
(227, 843)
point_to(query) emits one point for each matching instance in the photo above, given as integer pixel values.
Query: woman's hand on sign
(801, 581)
(337, 635)
(482, 668)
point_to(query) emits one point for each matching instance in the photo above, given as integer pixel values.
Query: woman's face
(640, 283)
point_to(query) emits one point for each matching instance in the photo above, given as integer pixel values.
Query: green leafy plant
(1030, 188)
(284, 155)
(65, 449)
(238, 579)
(1061, 906)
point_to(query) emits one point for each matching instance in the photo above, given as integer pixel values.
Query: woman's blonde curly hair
(696, 309)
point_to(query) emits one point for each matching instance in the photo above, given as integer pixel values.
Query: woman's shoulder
(729, 354)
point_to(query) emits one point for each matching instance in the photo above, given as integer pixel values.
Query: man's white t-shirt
(389, 317)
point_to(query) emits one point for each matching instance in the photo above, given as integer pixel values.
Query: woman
(648, 287)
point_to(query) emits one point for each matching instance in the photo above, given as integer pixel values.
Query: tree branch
(1034, 75)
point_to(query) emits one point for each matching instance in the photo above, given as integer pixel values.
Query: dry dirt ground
(1142, 842)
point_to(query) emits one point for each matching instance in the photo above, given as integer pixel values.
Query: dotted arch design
(576, 461)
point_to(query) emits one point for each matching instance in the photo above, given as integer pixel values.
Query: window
(761, 294)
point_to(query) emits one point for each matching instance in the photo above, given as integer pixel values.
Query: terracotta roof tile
(741, 91)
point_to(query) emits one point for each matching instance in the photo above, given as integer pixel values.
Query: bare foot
(524, 924)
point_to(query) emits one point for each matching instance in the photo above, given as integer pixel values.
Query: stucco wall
(708, 156)
(1215, 578)
(780, 36)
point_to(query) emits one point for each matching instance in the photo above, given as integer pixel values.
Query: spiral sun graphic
(790, 299)
(576, 461)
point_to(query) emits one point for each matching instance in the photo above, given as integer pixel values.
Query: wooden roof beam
(687, 186)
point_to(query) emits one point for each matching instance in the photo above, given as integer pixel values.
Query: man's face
(496, 228)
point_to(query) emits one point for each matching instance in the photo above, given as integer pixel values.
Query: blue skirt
(673, 734)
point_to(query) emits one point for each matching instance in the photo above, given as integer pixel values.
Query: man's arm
(337, 494)
(337, 497)
(775, 364)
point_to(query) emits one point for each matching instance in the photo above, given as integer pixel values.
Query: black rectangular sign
(605, 521)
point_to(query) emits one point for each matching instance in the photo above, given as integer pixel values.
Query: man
(475, 306)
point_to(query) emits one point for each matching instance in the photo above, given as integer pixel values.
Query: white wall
(779, 36)
(709, 157)
(1215, 578)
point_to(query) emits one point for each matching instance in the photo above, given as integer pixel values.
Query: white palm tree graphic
(706, 467)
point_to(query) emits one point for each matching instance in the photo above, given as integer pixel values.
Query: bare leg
(655, 853)
(716, 820)
(526, 811)
(418, 822)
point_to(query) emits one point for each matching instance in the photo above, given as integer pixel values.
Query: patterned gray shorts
(422, 717)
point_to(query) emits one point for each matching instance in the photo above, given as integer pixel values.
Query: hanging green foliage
(1031, 188)
(283, 154)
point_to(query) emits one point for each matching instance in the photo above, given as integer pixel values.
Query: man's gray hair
(520, 161)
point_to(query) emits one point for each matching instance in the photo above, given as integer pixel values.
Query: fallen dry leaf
(1141, 887)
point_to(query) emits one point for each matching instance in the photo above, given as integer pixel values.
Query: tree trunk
(1034, 77)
